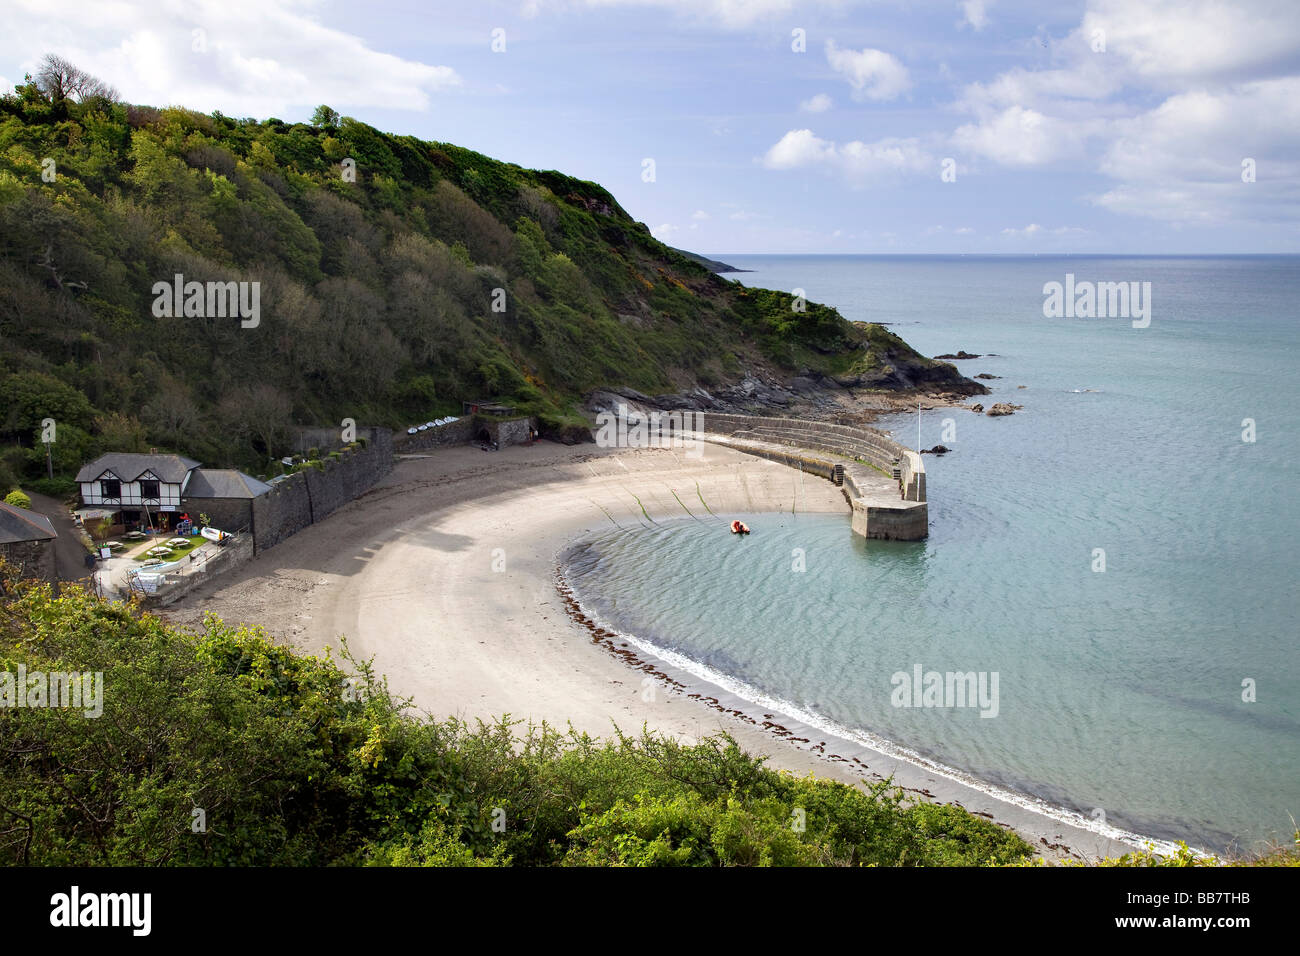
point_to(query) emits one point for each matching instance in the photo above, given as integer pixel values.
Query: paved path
(69, 553)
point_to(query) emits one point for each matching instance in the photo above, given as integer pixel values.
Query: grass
(193, 544)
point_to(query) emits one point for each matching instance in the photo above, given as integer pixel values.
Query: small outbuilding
(27, 541)
(224, 495)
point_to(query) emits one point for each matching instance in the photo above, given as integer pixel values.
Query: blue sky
(1101, 126)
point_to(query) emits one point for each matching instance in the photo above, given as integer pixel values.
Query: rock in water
(1001, 408)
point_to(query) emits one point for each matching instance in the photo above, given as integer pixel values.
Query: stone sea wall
(310, 495)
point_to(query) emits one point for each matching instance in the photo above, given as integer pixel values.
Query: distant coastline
(713, 265)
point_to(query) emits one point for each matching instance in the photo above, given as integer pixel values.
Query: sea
(1116, 563)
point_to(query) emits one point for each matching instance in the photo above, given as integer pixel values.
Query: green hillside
(377, 290)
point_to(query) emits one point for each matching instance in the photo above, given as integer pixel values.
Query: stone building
(224, 495)
(27, 541)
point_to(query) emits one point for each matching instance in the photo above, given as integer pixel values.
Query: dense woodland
(378, 257)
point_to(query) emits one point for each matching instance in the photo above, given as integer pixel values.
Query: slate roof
(19, 524)
(224, 483)
(129, 467)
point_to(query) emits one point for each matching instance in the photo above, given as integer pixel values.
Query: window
(110, 488)
(148, 490)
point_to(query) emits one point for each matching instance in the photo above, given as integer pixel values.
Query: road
(69, 553)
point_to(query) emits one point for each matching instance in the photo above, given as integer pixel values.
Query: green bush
(18, 499)
(296, 763)
(53, 487)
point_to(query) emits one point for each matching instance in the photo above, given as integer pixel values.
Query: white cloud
(1222, 78)
(975, 14)
(817, 104)
(243, 57)
(1204, 136)
(1195, 39)
(1022, 137)
(700, 215)
(799, 147)
(664, 231)
(873, 74)
(726, 13)
(1030, 230)
(859, 162)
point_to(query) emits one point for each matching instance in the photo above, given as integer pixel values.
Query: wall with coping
(459, 432)
(870, 444)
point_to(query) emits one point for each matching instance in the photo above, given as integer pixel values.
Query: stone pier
(883, 481)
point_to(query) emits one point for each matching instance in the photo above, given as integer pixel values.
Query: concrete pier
(883, 481)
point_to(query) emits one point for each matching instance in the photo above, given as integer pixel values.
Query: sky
(778, 126)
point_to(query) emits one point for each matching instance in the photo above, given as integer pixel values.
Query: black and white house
(133, 490)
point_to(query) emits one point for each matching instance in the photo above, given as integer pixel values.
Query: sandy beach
(446, 574)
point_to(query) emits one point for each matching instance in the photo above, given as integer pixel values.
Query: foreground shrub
(222, 748)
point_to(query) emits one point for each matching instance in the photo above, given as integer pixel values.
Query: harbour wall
(883, 481)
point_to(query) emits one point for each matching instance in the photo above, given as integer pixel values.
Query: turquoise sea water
(1119, 691)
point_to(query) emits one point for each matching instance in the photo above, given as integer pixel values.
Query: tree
(59, 79)
(171, 414)
(325, 117)
(261, 414)
(120, 432)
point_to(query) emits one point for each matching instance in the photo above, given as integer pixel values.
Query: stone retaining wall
(304, 498)
(459, 432)
(237, 552)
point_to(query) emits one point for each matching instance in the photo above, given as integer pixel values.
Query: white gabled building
(132, 490)
(127, 485)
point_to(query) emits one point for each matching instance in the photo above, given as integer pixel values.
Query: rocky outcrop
(936, 450)
(977, 408)
(960, 355)
(1003, 408)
